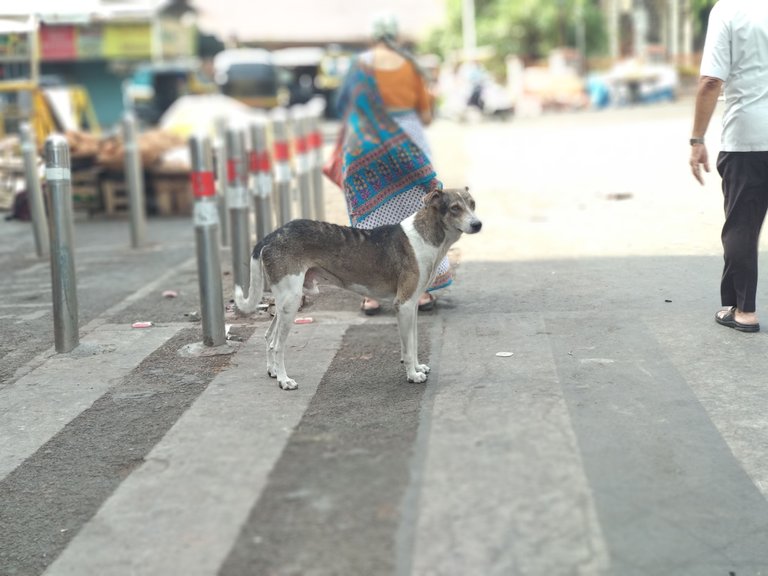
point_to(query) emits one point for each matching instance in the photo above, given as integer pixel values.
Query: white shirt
(736, 51)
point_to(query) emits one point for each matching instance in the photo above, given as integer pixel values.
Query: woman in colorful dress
(387, 170)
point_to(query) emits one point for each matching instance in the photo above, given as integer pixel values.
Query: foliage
(526, 28)
(531, 28)
(700, 5)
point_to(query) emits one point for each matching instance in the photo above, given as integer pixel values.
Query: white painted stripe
(56, 173)
(37, 406)
(205, 213)
(181, 512)
(503, 485)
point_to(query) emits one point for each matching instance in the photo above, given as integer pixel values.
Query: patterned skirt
(399, 207)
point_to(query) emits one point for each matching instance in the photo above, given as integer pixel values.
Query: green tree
(700, 5)
(526, 28)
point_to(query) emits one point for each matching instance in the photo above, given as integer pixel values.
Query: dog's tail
(255, 290)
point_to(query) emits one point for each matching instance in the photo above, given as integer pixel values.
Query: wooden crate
(114, 193)
(86, 190)
(173, 193)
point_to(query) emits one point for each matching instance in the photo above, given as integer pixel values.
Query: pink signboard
(58, 43)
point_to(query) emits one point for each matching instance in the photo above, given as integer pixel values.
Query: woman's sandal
(369, 311)
(429, 304)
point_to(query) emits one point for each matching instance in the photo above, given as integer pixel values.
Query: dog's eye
(455, 208)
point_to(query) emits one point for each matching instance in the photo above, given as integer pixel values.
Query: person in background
(475, 78)
(407, 99)
(736, 54)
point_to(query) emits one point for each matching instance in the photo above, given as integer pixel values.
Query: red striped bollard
(316, 107)
(206, 220)
(299, 121)
(220, 168)
(260, 167)
(238, 204)
(282, 164)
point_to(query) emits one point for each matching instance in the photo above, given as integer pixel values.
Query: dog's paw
(417, 377)
(272, 371)
(288, 384)
(422, 368)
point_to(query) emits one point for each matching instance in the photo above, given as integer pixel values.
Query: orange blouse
(403, 88)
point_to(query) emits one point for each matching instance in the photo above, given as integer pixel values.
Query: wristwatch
(693, 141)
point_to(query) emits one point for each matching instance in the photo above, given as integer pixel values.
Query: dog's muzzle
(475, 226)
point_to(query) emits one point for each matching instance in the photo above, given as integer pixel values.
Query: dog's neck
(430, 227)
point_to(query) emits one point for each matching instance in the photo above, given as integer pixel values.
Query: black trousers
(745, 194)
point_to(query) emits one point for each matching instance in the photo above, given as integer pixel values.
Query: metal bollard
(315, 145)
(282, 165)
(206, 221)
(220, 162)
(303, 177)
(237, 201)
(261, 170)
(35, 193)
(63, 279)
(134, 175)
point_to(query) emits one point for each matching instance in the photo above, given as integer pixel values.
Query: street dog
(393, 262)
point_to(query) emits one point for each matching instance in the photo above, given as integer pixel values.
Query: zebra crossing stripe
(481, 489)
(41, 403)
(197, 485)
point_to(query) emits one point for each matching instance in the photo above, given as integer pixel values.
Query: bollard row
(228, 178)
(283, 153)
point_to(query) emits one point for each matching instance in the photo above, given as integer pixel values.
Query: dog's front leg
(406, 321)
(419, 367)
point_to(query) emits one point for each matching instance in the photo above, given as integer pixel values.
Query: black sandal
(429, 304)
(372, 311)
(727, 318)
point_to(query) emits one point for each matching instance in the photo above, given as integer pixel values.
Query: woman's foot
(427, 302)
(370, 307)
(734, 318)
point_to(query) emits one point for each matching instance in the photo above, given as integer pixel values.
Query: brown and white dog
(396, 262)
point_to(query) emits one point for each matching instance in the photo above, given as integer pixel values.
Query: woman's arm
(424, 99)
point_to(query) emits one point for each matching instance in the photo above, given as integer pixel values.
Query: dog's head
(456, 208)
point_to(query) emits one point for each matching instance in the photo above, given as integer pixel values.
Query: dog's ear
(434, 196)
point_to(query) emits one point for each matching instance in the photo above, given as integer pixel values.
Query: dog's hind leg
(288, 293)
(270, 338)
(406, 320)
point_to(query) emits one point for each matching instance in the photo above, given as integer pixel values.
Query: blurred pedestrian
(386, 102)
(736, 55)
(475, 78)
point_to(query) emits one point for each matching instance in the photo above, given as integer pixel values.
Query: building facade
(651, 28)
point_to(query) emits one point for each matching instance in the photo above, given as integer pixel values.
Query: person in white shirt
(736, 55)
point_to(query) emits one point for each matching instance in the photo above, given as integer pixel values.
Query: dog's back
(365, 261)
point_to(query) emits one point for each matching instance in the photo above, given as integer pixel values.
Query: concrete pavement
(625, 435)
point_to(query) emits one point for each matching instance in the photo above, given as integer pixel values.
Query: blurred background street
(584, 414)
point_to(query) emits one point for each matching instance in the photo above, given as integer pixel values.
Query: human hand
(699, 158)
